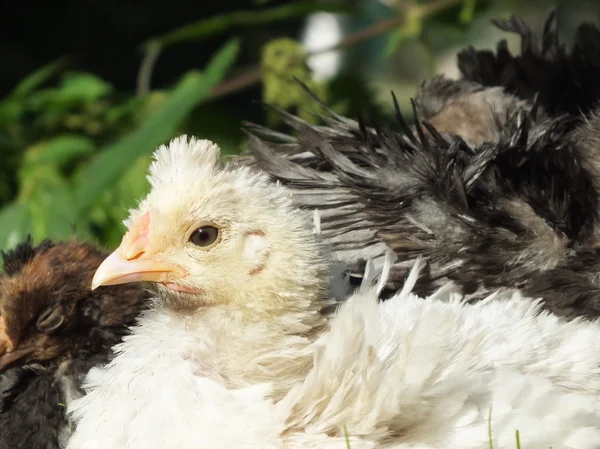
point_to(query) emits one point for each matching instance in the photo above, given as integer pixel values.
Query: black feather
(15, 259)
(566, 82)
(487, 217)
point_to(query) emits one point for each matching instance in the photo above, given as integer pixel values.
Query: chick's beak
(128, 264)
(8, 355)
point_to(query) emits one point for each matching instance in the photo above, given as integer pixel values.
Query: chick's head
(209, 234)
(47, 311)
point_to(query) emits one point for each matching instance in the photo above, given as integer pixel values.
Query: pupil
(204, 236)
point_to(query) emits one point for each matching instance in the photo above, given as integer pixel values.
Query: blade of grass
(36, 78)
(347, 438)
(114, 161)
(490, 429)
(224, 22)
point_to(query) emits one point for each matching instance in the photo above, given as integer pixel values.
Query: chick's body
(31, 414)
(520, 212)
(254, 358)
(52, 331)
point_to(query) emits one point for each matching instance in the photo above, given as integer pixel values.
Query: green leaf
(224, 22)
(12, 220)
(53, 105)
(62, 222)
(467, 11)
(36, 78)
(114, 161)
(59, 150)
(83, 87)
(412, 27)
(11, 110)
(394, 42)
(48, 198)
(13, 106)
(111, 209)
(50, 206)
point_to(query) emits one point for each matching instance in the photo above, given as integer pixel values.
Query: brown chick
(53, 329)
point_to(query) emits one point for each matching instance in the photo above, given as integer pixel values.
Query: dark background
(104, 37)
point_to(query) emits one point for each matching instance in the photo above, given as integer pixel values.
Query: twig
(363, 35)
(146, 68)
(247, 78)
(253, 75)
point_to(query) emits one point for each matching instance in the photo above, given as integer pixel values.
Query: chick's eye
(50, 320)
(204, 236)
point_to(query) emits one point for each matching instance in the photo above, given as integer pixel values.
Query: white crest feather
(173, 161)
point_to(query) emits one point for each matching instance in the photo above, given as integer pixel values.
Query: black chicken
(512, 206)
(53, 329)
(564, 81)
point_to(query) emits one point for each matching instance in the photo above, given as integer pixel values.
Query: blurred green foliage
(225, 22)
(77, 157)
(284, 62)
(75, 151)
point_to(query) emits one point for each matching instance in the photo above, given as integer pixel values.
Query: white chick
(236, 351)
(234, 321)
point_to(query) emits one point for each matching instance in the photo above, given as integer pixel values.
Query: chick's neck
(239, 347)
(268, 331)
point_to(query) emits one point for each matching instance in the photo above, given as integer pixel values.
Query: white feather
(161, 391)
(408, 372)
(426, 373)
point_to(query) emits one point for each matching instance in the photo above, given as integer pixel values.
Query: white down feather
(405, 373)
(410, 373)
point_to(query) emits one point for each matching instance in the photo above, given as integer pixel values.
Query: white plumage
(430, 371)
(251, 362)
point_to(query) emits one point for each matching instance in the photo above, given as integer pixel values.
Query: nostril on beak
(131, 254)
(135, 241)
(133, 246)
